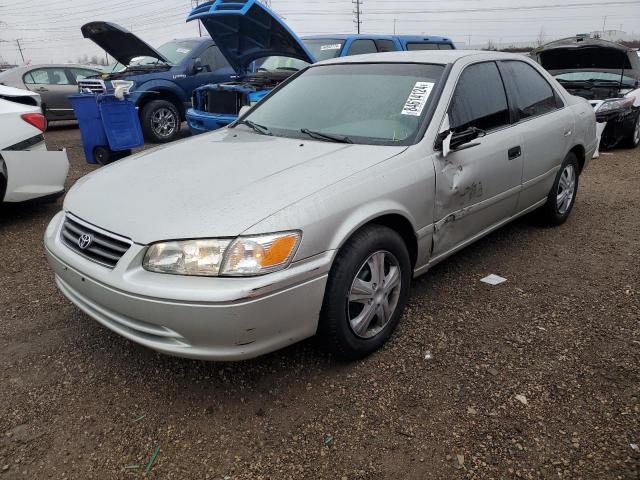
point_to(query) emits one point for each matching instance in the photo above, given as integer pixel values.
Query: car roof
(424, 56)
(408, 38)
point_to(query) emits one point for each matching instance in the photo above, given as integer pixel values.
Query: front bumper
(195, 317)
(202, 122)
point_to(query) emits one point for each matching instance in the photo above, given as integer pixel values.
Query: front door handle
(514, 153)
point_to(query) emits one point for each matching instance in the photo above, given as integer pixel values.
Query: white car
(28, 171)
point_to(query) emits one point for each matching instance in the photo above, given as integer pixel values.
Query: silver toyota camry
(313, 212)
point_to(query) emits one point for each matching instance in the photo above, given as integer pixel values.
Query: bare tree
(541, 37)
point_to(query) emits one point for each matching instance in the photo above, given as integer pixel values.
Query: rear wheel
(366, 293)
(634, 137)
(160, 121)
(562, 196)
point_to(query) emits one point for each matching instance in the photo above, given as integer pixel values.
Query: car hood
(214, 185)
(118, 42)
(246, 30)
(583, 54)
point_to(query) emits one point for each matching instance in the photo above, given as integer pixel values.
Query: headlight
(244, 256)
(126, 85)
(617, 104)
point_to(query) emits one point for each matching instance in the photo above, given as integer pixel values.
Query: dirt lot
(535, 378)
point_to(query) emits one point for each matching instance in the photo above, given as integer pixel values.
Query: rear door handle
(514, 153)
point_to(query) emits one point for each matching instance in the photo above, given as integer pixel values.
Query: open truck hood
(118, 42)
(586, 54)
(246, 30)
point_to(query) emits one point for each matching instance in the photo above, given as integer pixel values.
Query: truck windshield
(324, 48)
(282, 63)
(378, 103)
(175, 51)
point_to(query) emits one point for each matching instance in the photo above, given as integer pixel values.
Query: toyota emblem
(84, 241)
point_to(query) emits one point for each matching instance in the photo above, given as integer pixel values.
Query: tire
(633, 140)
(556, 211)
(160, 121)
(343, 323)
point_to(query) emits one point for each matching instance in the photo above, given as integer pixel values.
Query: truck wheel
(160, 121)
(562, 196)
(366, 292)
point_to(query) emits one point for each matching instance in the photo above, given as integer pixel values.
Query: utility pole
(267, 3)
(357, 12)
(395, 20)
(20, 48)
(197, 4)
(604, 23)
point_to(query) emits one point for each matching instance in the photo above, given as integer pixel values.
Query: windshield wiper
(326, 136)
(261, 129)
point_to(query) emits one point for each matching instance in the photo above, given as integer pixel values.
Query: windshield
(379, 103)
(174, 51)
(324, 48)
(282, 63)
(595, 77)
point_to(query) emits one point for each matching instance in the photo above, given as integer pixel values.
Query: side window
(360, 47)
(80, 73)
(36, 77)
(479, 99)
(421, 46)
(445, 46)
(386, 45)
(534, 95)
(208, 59)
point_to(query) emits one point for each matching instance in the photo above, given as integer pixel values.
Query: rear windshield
(325, 48)
(282, 63)
(378, 103)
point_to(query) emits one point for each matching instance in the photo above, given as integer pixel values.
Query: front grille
(103, 247)
(91, 85)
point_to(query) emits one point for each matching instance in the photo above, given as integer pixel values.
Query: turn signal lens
(261, 254)
(36, 119)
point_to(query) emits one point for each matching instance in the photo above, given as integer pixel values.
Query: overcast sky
(49, 31)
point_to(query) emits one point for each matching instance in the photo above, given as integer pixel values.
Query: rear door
(477, 187)
(545, 124)
(54, 86)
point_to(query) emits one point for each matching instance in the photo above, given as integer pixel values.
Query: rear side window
(47, 76)
(534, 95)
(479, 100)
(445, 46)
(360, 47)
(386, 45)
(421, 46)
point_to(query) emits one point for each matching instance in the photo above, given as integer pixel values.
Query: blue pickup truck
(159, 81)
(266, 53)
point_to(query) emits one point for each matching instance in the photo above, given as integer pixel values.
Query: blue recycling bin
(109, 127)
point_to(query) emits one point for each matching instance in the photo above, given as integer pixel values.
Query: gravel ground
(536, 378)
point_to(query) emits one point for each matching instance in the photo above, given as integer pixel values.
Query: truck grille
(91, 85)
(93, 243)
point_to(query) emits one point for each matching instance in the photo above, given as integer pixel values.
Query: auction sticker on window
(334, 46)
(417, 99)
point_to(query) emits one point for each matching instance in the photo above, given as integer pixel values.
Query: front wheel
(366, 292)
(160, 121)
(562, 196)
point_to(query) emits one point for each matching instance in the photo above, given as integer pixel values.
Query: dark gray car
(53, 82)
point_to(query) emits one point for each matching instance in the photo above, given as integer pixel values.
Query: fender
(153, 86)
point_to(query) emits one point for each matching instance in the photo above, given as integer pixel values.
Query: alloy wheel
(374, 294)
(163, 122)
(566, 189)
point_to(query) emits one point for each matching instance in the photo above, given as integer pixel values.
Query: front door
(477, 187)
(54, 86)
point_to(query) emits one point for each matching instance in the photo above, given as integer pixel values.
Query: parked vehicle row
(321, 204)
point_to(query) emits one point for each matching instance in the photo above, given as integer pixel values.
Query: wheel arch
(163, 94)
(579, 152)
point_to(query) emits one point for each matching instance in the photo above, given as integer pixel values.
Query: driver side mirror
(196, 67)
(450, 141)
